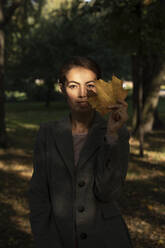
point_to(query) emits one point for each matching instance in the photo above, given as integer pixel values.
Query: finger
(124, 116)
(122, 102)
(115, 106)
(115, 116)
(118, 110)
(122, 113)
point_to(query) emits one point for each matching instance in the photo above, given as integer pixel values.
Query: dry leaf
(106, 94)
(160, 241)
(150, 207)
(147, 2)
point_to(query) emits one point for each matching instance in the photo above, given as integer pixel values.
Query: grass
(142, 202)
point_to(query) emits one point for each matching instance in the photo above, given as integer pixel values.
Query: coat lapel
(94, 139)
(62, 133)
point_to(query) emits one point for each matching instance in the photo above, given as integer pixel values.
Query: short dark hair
(78, 61)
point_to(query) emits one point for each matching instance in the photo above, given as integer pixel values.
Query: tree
(62, 35)
(52, 41)
(10, 11)
(137, 28)
(5, 16)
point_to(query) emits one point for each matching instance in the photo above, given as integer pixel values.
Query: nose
(82, 91)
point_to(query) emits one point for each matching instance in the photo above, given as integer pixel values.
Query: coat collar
(62, 133)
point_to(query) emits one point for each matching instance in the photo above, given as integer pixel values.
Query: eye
(72, 86)
(91, 85)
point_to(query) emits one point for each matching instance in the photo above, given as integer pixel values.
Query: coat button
(81, 183)
(83, 235)
(81, 209)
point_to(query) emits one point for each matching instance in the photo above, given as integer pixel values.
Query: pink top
(78, 142)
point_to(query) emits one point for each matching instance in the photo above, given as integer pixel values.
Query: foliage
(68, 31)
(127, 23)
(22, 22)
(136, 27)
(15, 96)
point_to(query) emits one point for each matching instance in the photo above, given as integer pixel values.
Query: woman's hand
(117, 117)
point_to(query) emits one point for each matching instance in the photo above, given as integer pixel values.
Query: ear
(62, 88)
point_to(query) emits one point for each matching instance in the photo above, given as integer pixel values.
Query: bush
(39, 93)
(15, 96)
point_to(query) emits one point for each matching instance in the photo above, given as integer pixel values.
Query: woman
(80, 165)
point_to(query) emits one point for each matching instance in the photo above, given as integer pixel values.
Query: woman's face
(78, 80)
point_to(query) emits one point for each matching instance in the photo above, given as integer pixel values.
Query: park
(35, 38)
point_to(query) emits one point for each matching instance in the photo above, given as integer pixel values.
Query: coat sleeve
(111, 167)
(41, 219)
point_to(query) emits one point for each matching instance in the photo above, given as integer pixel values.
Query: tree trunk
(135, 78)
(137, 121)
(158, 123)
(3, 135)
(49, 84)
(152, 75)
(5, 18)
(137, 92)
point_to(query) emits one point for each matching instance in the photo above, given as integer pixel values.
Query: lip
(83, 102)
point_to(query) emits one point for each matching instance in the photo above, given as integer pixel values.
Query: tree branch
(10, 11)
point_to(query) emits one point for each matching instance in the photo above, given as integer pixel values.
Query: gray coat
(63, 197)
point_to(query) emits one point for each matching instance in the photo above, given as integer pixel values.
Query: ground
(142, 202)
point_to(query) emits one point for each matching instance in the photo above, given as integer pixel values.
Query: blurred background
(127, 39)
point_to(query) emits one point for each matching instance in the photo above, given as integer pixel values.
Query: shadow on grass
(13, 199)
(24, 120)
(22, 138)
(143, 193)
(135, 159)
(35, 106)
(156, 141)
(11, 235)
(8, 158)
(143, 200)
(137, 195)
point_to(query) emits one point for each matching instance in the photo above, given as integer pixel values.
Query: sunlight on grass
(21, 217)
(17, 161)
(21, 170)
(152, 155)
(28, 126)
(144, 228)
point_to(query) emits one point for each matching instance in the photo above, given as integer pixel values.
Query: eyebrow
(91, 81)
